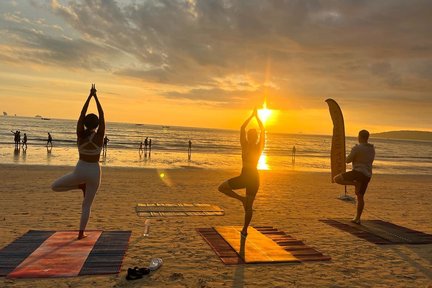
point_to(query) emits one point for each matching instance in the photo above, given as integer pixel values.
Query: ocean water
(211, 148)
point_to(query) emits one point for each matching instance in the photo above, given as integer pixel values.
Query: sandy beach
(290, 201)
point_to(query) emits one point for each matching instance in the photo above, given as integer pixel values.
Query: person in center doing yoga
(252, 148)
(87, 173)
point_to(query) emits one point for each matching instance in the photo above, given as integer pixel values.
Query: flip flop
(155, 264)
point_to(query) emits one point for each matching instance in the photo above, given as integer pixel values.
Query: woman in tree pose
(87, 173)
(249, 177)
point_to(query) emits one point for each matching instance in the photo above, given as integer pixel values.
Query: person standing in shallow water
(105, 144)
(24, 141)
(189, 150)
(87, 173)
(17, 138)
(252, 148)
(362, 156)
(49, 140)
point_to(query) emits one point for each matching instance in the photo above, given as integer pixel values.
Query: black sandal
(143, 271)
(133, 274)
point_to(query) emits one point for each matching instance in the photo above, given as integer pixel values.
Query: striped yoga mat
(381, 232)
(45, 254)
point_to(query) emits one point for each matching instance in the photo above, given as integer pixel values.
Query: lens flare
(164, 177)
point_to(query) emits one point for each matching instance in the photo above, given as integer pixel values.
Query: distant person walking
(150, 144)
(87, 173)
(252, 148)
(17, 138)
(362, 156)
(49, 140)
(105, 144)
(24, 141)
(190, 150)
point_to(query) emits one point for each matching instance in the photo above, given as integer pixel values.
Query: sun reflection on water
(262, 162)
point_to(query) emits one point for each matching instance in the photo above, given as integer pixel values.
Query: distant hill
(405, 134)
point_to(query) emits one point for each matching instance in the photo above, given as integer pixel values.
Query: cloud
(309, 49)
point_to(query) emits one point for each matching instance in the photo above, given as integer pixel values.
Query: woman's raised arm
(243, 140)
(101, 129)
(80, 123)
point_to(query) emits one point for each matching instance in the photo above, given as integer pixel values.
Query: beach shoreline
(291, 201)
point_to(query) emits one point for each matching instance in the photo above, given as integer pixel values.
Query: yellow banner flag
(337, 155)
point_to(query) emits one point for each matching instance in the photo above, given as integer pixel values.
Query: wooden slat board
(222, 249)
(230, 257)
(381, 232)
(256, 247)
(177, 209)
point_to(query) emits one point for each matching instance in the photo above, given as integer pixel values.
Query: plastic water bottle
(146, 228)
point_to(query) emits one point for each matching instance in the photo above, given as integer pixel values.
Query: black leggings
(249, 179)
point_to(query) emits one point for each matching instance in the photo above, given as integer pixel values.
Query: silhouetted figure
(145, 144)
(141, 149)
(293, 153)
(362, 156)
(17, 138)
(150, 147)
(24, 142)
(49, 140)
(105, 145)
(87, 173)
(189, 150)
(249, 177)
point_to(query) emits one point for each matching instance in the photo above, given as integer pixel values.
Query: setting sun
(264, 113)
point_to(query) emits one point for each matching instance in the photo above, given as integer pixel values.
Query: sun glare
(264, 113)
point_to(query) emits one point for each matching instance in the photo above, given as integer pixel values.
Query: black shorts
(358, 177)
(248, 179)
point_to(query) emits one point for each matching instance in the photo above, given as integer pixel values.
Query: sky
(208, 63)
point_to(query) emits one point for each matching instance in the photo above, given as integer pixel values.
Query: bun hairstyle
(91, 121)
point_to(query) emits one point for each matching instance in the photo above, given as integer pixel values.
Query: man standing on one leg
(362, 156)
(252, 148)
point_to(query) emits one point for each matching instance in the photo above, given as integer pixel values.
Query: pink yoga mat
(61, 255)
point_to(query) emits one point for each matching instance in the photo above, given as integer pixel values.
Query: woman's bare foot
(356, 221)
(81, 235)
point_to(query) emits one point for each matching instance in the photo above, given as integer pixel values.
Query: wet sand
(290, 201)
